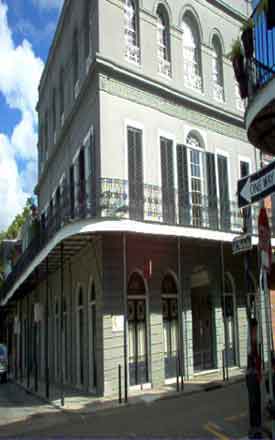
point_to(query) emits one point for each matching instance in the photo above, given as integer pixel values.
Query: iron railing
(262, 65)
(117, 199)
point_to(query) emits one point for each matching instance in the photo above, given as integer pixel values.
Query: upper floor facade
(179, 45)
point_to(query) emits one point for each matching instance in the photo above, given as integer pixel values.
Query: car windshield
(3, 351)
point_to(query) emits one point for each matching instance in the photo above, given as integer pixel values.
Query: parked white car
(3, 363)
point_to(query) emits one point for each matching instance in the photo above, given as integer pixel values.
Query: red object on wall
(265, 240)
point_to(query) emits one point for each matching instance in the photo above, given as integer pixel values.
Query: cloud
(36, 33)
(20, 71)
(48, 4)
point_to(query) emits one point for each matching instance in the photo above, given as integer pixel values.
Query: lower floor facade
(158, 307)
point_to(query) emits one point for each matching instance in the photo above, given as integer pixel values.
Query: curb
(115, 405)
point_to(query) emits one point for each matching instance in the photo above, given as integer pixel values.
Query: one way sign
(256, 186)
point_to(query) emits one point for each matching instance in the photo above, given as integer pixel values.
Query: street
(221, 413)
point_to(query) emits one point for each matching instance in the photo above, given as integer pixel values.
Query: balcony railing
(119, 199)
(262, 68)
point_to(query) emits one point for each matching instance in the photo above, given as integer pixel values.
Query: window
(244, 169)
(54, 114)
(61, 95)
(217, 70)
(87, 28)
(196, 179)
(246, 212)
(75, 63)
(132, 50)
(46, 137)
(163, 42)
(191, 53)
(223, 179)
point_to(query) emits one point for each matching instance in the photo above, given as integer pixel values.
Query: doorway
(137, 331)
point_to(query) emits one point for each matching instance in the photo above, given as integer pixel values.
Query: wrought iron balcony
(118, 199)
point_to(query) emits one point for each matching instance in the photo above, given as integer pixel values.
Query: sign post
(266, 261)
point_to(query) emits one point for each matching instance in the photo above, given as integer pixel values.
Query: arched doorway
(230, 319)
(92, 337)
(169, 294)
(137, 328)
(202, 319)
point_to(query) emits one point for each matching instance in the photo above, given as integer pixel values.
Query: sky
(26, 31)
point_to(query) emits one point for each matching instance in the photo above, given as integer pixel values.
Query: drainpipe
(224, 312)
(61, 323)
(47, 376)
(125, 303)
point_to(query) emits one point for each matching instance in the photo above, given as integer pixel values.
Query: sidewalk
(75, 400)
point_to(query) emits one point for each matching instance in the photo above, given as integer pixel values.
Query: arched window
(132, 51)
(195, 160)
(75, 57)
(191, 53)
(217, 70)
(87, 28)
(163, 41)
(61, 94)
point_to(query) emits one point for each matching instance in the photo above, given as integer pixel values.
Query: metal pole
(266, 293)
(47, 376)
(61, 322)
(180, 311)
(21, 341)
(125, 303)
(224, 313)
(35, 343)
(119, 385)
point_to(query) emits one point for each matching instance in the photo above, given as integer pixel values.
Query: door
(170, 335)
(202, 329)
(138, 369)
(230, 323)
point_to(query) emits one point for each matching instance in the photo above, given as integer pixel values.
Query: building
(259, 117)
(141, 143)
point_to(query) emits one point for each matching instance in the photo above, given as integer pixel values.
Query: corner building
(141, 143)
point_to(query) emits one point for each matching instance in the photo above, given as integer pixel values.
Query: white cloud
(20, 71)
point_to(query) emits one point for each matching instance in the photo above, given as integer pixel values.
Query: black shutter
(167, 173)
(72, 201)
(224, 193)
(247, 211)
(92, 182)
(212, 198)
(135, 174)
(183, 186)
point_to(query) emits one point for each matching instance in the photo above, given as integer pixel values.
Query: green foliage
(13, 230)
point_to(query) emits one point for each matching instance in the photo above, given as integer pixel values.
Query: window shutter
(224, 193)
(211, 182)
(135, 173)
(183, 186)
(167, 171)
(247, 211)
(72, 201)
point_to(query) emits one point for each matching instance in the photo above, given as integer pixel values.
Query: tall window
(217, 70)
(87, 28)
(75, 57)
(132, 50)
(54, 114)
(61, 95)
(196, 179)
(135, 172)
(163, 41)
(46, 136)
(167, 176)
(191, 53)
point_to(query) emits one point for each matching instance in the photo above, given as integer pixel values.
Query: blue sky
(26, 31)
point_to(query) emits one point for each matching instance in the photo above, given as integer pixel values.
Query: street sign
(256, 186)
(242, 243)
(264, 240)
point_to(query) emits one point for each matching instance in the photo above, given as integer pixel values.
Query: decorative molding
(169, 107)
